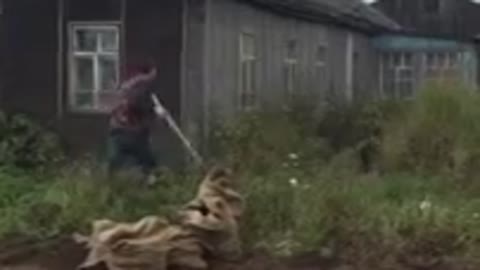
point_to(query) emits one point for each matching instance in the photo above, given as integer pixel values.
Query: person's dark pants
(129, 146)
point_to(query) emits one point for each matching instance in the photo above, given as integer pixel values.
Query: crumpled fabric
(206, 228)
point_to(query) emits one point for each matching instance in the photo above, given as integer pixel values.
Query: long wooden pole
(173, 125)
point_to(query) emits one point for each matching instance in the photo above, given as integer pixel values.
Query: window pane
(109, 40)
(84, 79)
(251, 76)
(431, 63)
(321, 56)
(386, 60)
(408, 59)
(244, 77)
(248, 45)
(405, 89)
(388, 87)
(108, 72)
(397, 59)
(453, 59)
(84, 100)
(85, 40)
(405, 74)
(292, 49)
(443, 60)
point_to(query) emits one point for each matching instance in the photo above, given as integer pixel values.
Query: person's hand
(152, 74)
(160, 111)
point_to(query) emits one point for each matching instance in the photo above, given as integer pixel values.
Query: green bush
(439, 133)
(26, 144)
(358, 127)
(261, 140)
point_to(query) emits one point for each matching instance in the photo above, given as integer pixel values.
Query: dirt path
(64, 254)
(49, 255)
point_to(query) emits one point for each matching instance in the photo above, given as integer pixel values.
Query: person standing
(131, 122)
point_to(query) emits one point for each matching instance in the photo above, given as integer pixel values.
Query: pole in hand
(163, 113)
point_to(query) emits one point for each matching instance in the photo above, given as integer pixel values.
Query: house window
(94, 66)
(321, 56)
(248, 59)
(321, 66)
(398, 76)
(431, 6)
(441, 65)
(291, 61)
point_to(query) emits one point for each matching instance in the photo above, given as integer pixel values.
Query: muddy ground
(64, 254)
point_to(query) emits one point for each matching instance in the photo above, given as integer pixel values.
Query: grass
(36, 207)
(289, 212)
(303, 194)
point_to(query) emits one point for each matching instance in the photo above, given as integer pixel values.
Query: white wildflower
(293, 182)
(293, 156)
(425, 205)
(476, 215)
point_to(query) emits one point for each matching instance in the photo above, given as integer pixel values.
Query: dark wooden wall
(84, 132)
(154, 29)
(30, 60)
(2, 58)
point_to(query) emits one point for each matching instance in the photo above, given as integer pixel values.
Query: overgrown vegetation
(391, 183)
(25, 144)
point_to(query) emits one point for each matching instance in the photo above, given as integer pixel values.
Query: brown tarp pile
(207, 228)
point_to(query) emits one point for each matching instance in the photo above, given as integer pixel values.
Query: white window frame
(441, 68)
(349, 65)
(402, 66)
(247, 94)
(73, 54)
(291, 66)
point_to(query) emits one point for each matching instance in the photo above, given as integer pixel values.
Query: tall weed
(439, 134)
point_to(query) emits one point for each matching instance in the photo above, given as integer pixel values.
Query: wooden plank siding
(83, 132)
(228, 19)
(35, 62)
(193, 89)
(3, 55)
(29, 54)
